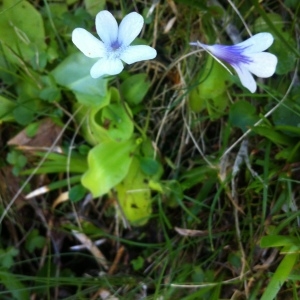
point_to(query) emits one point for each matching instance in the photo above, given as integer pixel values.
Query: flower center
(114, 50)
(115, 45)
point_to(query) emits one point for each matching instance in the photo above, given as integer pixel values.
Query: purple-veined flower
(246, 58)
(114, 47)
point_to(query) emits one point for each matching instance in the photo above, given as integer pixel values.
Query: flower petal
(233, 55)
(246, 78)
(89, 45)
(263, 64)
(130, 28)
(106, 67)
(257, 43)
(107, 27)
(137, 53)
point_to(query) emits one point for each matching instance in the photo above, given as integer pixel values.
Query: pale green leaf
(108, 163)
(22, 31)
(74, 74)
(134, 195)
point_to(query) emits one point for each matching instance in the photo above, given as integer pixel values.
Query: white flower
(247, 57)
(115, 45)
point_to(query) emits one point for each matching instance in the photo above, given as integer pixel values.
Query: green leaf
(91, 124)
(287, 117)
(197, 175)
(206, 95)
(274, 136)
(74, 74)
(7, 257)
(135, 88)
(278, 241)
(50, 94)
(77, 193)
(7, 69)
(108, 163)
(28, 102)
(14, 286)
(32, 129)
(280, 276)
(149, 166)
(106, 121)
(134, 195)
(18, 160)
(59, 163)
(34, 241)
(116, 120)
(94, 6)
(174, 193)
(6, 110)
(243, 115)
(138, 263)
(21, 36)
(23, 114)
(291, 3)
(289, 130)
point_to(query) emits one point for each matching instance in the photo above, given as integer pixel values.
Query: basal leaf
(108, 163)
(77, 193)
(134, 88)
(107, 121)
(22, 31)
(206, 95)
(134, 195)
(242, 114)
(91, 128)
(74, 74)
(116, 120)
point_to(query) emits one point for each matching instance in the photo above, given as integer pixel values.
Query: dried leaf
(46, 134)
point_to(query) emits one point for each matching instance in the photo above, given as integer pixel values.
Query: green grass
(194, 179)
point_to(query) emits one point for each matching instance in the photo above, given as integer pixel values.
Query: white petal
(106, 67)
(246, 78)
(137, 53)
(257, 43)
(130, 28)
(263, 64)
(89, 45)
(107, 27)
